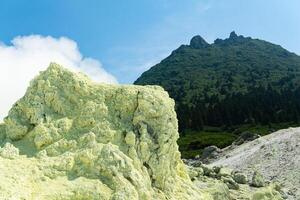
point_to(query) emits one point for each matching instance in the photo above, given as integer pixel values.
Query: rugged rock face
(69, 138)
(78, 139)
(198, 42)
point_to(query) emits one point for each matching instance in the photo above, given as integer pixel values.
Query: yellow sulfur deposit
(69, 138)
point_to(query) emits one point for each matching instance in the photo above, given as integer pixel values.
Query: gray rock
(207, 170)
(245, 137)
(192, 162)
(200, 171)
(217, 169)
(230, 183)
(197, 163)
(240, 178)
(257, 180)
(192, 173)
(210, 152)
(224, 171)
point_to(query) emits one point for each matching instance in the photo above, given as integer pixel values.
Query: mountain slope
(235, 81)
(276, 156)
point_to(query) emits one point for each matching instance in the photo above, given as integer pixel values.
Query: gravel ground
(276, 156)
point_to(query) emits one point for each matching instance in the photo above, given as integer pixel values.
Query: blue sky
(130, 36)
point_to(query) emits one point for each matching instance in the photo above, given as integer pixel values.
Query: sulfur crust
(69, 138)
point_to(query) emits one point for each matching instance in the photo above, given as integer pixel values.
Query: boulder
(217, 169)
(231, 184)
(210, 152)
(70, 138)
(199, 170)
(245, 137)
(207, 170)
(224, 171)
(257, 180)
(240, 178)
(193, 173)
(271, 192)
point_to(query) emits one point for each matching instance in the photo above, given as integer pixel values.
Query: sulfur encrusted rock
(69, 138)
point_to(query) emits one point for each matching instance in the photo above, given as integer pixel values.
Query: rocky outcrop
(69, 138)
(210, 152)
(77, 139)
(197, 42)
(246, 136)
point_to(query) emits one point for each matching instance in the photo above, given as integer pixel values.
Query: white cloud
(27, 55)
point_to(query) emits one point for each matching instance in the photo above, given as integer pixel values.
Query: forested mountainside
(232, 82)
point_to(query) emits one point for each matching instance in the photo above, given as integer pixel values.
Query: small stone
(217, 169)
(130, 138)
(9, 151)
(197, 163)
(224, 171)
(240, 178)
(213, 175)
(230, 183)
(200, 171)
(192, 173)
(257, 180)
(210, 152)
(207, 170)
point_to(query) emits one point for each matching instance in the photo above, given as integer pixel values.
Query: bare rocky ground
(276, 156)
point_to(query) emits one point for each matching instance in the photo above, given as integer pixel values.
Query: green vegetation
(230, 84)
(192, 143)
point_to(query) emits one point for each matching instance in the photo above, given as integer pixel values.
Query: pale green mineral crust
(69, 138)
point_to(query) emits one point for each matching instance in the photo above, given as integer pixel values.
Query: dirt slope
(276, 156)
